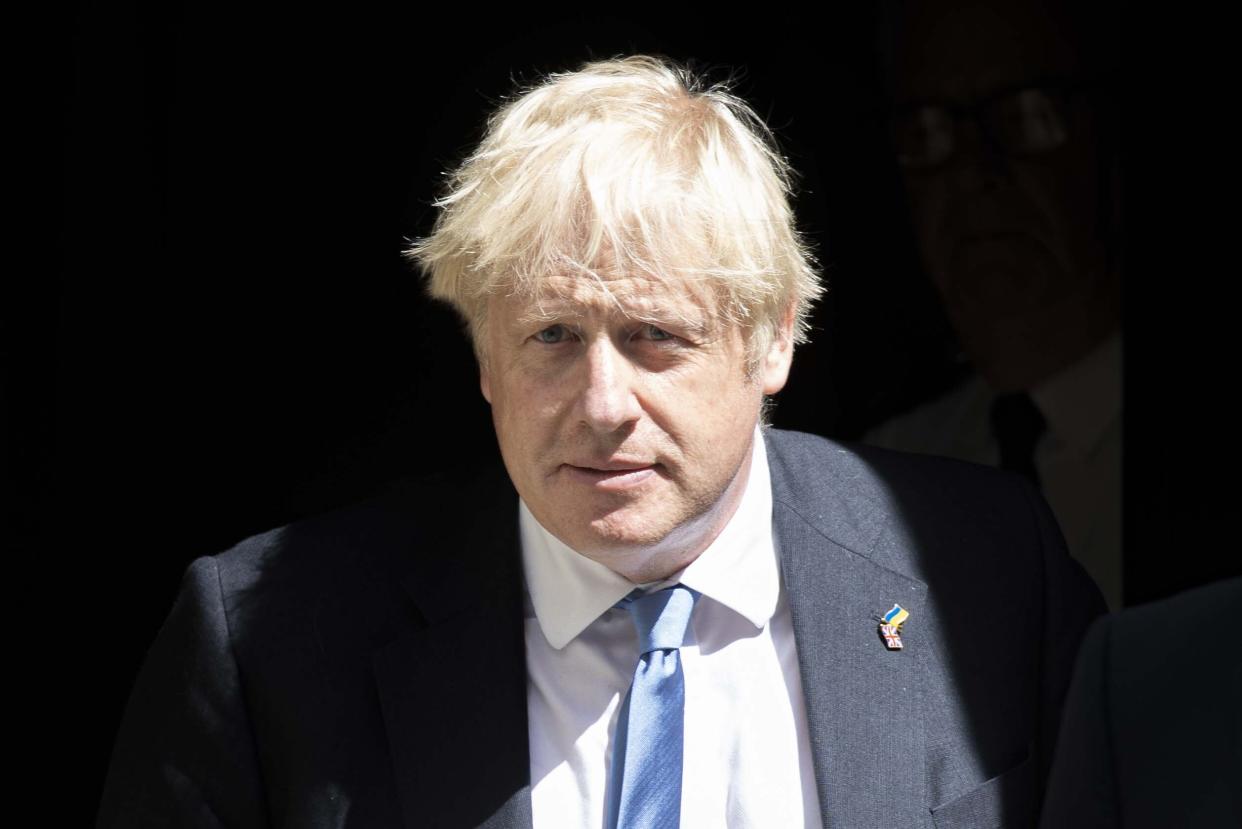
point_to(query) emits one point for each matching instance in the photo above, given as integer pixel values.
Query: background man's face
(1012, 240)
(624, 413)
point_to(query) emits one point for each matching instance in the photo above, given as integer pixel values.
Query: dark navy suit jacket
(366, 668)
(1152, 735)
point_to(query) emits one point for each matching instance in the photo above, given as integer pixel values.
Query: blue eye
(551, 335)
(654, 333)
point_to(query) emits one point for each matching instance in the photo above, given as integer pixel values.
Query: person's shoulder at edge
(1160, 654)
(1149, 686)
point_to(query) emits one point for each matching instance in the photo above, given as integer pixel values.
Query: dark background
(224, 336)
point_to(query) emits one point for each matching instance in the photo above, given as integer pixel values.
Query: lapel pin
(890, 627)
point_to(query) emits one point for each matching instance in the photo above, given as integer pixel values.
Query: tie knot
(1016, 417)
(1018, 424)
(661, 617)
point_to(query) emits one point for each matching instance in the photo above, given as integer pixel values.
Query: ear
(485, 384)
(774, 369)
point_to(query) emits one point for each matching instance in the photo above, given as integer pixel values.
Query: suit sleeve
(185, 755)
(1071, 603)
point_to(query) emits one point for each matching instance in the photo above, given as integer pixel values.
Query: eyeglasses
(1029, 120)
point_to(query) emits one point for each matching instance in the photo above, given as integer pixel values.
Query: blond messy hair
(630, 166)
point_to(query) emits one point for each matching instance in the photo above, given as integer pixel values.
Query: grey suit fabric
(1152, 736)
(366, 668)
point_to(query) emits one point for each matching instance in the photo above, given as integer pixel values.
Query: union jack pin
(892, 637)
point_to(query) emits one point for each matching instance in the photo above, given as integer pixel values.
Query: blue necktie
(644, 786)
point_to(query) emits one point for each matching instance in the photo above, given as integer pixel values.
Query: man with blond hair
(666, 613)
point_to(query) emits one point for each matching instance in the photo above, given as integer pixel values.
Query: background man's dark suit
(366, 668)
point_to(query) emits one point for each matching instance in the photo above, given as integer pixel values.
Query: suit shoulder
(316, 536)
(880, 471)
(385, 532)
(942, 519)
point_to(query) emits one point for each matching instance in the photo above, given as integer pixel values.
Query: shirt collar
(1081, 401)
(569, 591)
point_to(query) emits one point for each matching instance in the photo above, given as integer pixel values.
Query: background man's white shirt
(747, 759)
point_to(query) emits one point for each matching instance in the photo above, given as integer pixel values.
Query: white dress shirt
(747, 758)
(1078, 457)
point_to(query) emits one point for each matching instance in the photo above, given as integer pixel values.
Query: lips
(613, 475)
(612, 465)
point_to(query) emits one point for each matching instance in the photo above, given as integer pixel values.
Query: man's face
(625, 415)
(1012, 240)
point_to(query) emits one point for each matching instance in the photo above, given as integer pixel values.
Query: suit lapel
(864, 703)
(454, 692)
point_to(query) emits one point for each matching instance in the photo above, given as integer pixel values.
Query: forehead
(957, 51)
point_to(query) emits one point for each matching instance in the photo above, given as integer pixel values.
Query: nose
(982, 161)
(608, 399)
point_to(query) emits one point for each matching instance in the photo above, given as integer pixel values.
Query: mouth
(611, 475)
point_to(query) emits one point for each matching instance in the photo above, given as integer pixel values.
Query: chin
(617, 531)
(621, 530)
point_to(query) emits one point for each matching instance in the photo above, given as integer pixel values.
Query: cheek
(708, 412)
(926, 196)
(526, 412)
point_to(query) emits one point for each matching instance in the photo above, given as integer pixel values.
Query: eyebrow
(652, 314)
(1053, 81)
